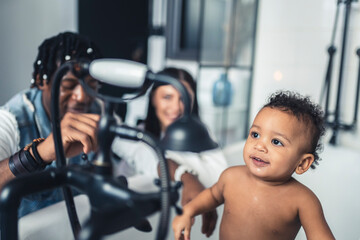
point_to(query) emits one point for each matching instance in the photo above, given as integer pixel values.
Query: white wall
(292, 38)
(24, 25)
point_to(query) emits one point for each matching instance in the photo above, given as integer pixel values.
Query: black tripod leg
(357, 91)
(336, 124)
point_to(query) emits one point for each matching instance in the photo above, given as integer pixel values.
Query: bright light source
(278, 76)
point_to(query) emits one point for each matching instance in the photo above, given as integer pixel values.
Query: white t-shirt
(9, 134)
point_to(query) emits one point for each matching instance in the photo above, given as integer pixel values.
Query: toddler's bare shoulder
(233, 173)
(301, 191)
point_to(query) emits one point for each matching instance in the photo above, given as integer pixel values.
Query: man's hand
(78, 132)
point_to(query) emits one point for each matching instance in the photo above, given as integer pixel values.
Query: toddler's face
(275, 145)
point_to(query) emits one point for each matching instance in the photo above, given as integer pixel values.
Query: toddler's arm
(207, 200)
(313, 220)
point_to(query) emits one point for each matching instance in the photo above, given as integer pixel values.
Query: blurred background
(239, 51)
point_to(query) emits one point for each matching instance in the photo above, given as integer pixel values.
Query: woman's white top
(141, 159)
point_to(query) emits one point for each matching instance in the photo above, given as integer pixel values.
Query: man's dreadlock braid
(56, 50)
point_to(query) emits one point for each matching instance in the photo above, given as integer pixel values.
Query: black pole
(19, 187)
(102, 164)
(336, 124)
(59, 149)
(357, 91)
(331, 51)
(120, 207)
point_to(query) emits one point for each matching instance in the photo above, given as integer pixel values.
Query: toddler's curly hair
(304, 110)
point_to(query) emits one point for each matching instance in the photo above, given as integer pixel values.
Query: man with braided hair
(25, 119)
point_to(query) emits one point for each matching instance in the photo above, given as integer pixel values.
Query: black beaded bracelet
(30, 162)
(23, 162)
(36, 153)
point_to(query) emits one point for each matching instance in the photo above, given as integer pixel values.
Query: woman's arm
(191, 184)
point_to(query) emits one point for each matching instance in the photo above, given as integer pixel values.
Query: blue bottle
(222, 91)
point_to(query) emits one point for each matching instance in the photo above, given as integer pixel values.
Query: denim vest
(33, 123)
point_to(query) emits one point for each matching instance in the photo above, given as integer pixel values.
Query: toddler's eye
(277, 142)
(254, 135)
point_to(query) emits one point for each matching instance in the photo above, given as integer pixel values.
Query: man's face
(73, 97)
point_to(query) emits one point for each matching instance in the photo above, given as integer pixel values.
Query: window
(220, 36)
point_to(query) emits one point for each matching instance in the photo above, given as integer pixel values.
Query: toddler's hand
(182, 227)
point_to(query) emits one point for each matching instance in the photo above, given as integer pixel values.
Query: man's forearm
(5, 173)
